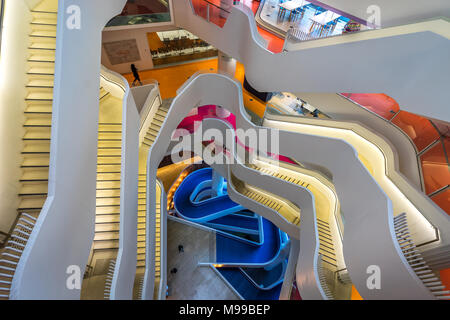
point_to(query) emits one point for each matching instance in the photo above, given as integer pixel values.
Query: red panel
(445, 278)
(442, 199)
(381, 104)
(435, 168)
(418, 128)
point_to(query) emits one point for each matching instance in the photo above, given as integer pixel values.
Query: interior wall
(128, 33)
(12, 104)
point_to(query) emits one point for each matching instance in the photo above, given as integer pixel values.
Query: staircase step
(108, 177)
(108, 160)
(37, 134)
(107, 193)
(109, 144)
(102, 236)
(44, 17)
(105, 185)
(107, 244)
(40, 80)
(110, 128)
(40, 94)
(109, 152)
(36, 160)
(107, 218)
(38, 119)
(34, 174)
(36, 147)
(109, 168)
(110, 135)
(34, 188)
(108, 210)
(43, 33)
(40, 71)
(32, 203)
(107, 227)
(102, 202)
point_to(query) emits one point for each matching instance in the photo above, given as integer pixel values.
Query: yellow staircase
(109, 159)
(36, 139)
(326, 243)
(287, 211)
(149, 139)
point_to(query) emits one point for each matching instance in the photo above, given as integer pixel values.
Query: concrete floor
(93, 287)
(191, 281)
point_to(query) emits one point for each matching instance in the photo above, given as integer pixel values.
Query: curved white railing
(125, 264)
(308, 261)
(387, 71)
(368, 210)
(380, 159)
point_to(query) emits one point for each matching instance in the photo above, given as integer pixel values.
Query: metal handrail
(215, 5)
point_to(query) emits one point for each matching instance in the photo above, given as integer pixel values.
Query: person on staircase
(135, 72)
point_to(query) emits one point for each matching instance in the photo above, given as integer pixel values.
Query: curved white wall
(351, 63)
(369, 236)
(125, 267)
(64, 231)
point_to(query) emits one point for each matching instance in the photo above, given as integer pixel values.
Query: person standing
(134, 70)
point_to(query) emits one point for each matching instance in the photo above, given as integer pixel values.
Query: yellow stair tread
(107, 226)
(43, 33)
(40, 96)
(37, 133)
(108, 160)
(35, 174)
(32, 203)
(100, 236)
(107, 218)
(106, 210)
(34, 188)
(100, 202)
(108, 185)
(41, 147)
(107, 244)
(40, 81)
(38, 121)
(108, 193)
(36, 160)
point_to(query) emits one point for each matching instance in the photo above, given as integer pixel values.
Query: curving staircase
(12, 252)
(420, 267)
(148, 140)
(109, 159)
(36, 139)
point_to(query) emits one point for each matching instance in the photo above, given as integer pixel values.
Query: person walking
(136, 75)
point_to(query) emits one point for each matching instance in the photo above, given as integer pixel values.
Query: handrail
(146, 109)
(349, 187)
(416, 200)
(230, 173)
(123, 267)
(5, 239)
(395, 126)
(404, 28)
(215, 5)
(416, 261)
(281, 72)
